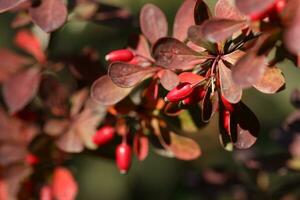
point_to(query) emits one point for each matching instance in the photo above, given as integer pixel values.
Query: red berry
(123, 157)
(180, 92)
(104, 135)
(197, 95)
(32, 159)
(119, 55)
(279, 6)
(228, 106)
(46, 193)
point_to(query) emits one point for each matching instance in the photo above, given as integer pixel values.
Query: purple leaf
(226, 9)
(218, 30)
(230, 91)
(249, 69)
(173, 54)
(49, 15)
(20, 89)
(153, 23)
(105, 92)
(184, 19)
(169, 79)
(9, 4)
(127, 75)
(253, 6)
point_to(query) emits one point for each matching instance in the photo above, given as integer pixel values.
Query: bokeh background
(218, 174)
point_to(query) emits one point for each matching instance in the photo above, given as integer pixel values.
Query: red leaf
(153, 23)
(184, 19)
(126, 75)
(64, 186)
(46, 193)
(169, 79)
(226, 9)
(9, 4)
(189, 77)
(27, 41)
(3, 190)
(49, 15)
(20, 89)
(229, 90)
(253, 6)
(105, 92)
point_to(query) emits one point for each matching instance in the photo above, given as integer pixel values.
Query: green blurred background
(158, 177)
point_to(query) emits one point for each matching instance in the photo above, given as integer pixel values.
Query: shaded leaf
(173, 54)
(217, 30)
(226, 9)
(184, 19)
(153, 23)
(201, 12)
(56, 127)
(105, 92)
(70, 141)
(64, 186)
(169, 79)
(172, 109)
(271, 82)
(207, 106)
(291, 34)
(140, 46)
(249, 69)
(127, 75)
(295, 98)
(229, 90)
(11, 63)
(184, 148)
(247, 127)
(9, 4)
(19, 90)
(253, 6)
(49, 15)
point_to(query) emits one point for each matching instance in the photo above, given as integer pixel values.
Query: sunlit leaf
(184, 19)
(173, 54)
(70, 141)
(169, 79)
(105, 92)
(271, 82)
(249, 69)
(229, 90)
(64, 186)
(153, 23)
(253, 6)
(189, 77)
(49, 15)
(127, 75)
(20, 89)
(217, 30)
(226, 9)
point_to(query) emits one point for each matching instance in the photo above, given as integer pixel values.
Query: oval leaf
(253, 6)
(9, 4)
(70, 142)
(271, 82)
(153, 23)
(229, 90)
(169, 79)
(226, 9)
(184, 148)
(218, 30)
(127, 75)
(19, 90)
(249, 69)
(173, 54)
(64, 186)
(189, 77)
(105, 92)
(184, 19)
(49, 15)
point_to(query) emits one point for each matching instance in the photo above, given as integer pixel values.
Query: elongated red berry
(228, 106)
(104, 135)
(196, 96)
(119, 55)
(279, 6)
(123, 157)
(180, 92)
(32, 159)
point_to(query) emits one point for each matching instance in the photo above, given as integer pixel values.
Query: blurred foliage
(163, 178)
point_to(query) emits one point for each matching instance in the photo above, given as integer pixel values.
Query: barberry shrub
(166, 83)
